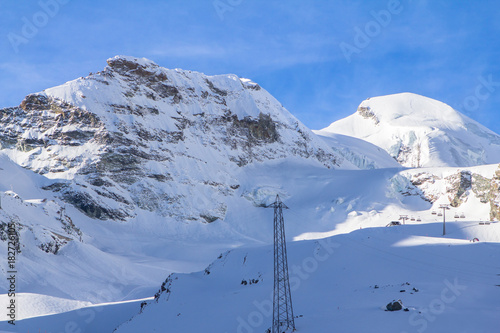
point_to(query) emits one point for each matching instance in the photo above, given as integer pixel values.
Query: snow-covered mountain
(140, 136)
(420, 132)
(119, 179)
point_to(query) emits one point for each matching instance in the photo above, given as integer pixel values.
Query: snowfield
(342, 283)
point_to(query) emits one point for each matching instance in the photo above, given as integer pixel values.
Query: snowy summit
(420, 132)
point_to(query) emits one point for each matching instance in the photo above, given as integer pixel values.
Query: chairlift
(457, 216)
(462, 216)
(440, 214)
(433, 212)
(419, 219)
(412, 219)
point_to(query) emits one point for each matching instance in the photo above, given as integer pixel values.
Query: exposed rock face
(494, 196)
(459, 187)
(367, 113)
(140, 136)
(41, 121)
(425, 181)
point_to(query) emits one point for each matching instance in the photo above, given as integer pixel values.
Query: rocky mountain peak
(139, 136)
(124, 64)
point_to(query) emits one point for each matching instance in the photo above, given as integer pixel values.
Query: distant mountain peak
(419, 131)
(407, 109)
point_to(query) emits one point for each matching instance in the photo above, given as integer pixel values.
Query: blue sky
(319, 58)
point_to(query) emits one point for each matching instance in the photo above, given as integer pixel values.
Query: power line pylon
(283, 320)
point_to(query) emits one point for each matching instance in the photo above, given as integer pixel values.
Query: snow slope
(343, 284)
(420, 132)
(65, 254)
(84, 319)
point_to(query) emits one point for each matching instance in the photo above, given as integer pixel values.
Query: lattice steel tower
(283, 320)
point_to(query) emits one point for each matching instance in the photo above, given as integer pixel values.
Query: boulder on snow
(395, 305)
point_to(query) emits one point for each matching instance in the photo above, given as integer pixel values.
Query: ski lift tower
(403, 217)
(283, 320)
(444, 208)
